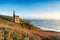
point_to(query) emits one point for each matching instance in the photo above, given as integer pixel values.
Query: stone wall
(17, 19)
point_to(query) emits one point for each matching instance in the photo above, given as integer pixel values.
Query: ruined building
(15, 18)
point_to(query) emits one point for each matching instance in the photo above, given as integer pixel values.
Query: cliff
(23, 31)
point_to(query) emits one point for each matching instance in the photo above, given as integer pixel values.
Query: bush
(31, 38)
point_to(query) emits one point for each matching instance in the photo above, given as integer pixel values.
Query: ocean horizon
(44, 24)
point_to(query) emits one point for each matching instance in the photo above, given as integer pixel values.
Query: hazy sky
(37, 9)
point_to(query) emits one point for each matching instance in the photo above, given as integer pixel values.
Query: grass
(6, 34)
(23, 23)
(13, 34)
(51, 37)
(31, 38)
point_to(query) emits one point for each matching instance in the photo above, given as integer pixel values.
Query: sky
(34, 9)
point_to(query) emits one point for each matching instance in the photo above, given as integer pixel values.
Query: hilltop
(24, 30)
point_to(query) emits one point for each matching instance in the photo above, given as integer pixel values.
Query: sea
(44, 24)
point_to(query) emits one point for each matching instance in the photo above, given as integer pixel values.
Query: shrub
(31, 38)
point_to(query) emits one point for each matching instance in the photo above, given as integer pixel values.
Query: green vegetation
(31, 38)
(23, 23)
(20, 31)
(8, 18)
(6, 34)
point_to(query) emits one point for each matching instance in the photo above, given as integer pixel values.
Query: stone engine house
(16, 19)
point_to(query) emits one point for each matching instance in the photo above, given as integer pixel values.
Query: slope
(23, 31)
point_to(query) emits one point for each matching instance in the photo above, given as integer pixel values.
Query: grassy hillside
(18, 31)
(23, 30)
(23, 23)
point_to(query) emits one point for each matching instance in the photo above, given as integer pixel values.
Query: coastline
(48, 29)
